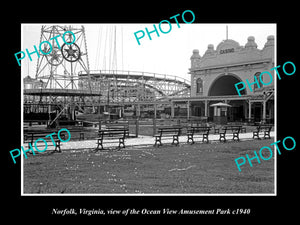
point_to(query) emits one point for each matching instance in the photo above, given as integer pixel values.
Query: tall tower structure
(60, 68)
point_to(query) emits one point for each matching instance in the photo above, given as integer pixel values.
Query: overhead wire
(108, 54)
(97, 58)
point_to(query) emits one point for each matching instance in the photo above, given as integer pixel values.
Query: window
(257, 78)
(199, 84)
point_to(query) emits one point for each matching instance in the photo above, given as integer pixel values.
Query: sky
(167, 54)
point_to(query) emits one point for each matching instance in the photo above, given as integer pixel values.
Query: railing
(138, 73)
(61, 91)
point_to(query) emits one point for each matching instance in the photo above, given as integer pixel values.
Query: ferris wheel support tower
(59, 69)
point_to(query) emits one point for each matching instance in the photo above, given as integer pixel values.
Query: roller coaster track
(138, 75)
(134, 84)
(114, 88)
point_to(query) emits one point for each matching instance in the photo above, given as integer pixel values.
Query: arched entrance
(224, 85)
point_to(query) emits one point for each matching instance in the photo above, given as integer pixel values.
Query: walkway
(143, 141)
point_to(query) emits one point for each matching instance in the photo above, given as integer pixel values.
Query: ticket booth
(220, 112)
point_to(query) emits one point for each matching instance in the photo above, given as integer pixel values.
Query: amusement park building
(67, 87)
(215, 73)
(31, 83)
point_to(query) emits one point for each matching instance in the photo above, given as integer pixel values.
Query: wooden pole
(154, 118)
(154, 126)
(136, 126)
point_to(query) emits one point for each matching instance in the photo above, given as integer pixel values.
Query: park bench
(235, 130)
(79, 130)
(118, 126)
(119, 134)
(173, 131)
(197, 130)
(266, 129)
(31, 137)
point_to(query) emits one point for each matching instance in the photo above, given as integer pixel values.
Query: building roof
(230, 52)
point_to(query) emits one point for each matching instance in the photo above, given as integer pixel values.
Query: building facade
(215, 73)
(32, 83)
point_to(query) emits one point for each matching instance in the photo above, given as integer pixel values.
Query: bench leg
(57, 146)
(236, 137)
(175, 139)
(190, 138)
(222, 137)
(157, 140)
(267, 134)
(205, 137)
(256, 134)
(121, 142)
(30, 146)
(99, 144)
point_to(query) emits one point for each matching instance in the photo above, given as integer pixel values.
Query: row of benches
(116, 132)
(121, 133)
(235, 130)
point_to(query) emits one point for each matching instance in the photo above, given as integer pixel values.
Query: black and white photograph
(127, 112)
(148, 112)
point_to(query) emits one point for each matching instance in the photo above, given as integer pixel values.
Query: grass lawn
(197, 169)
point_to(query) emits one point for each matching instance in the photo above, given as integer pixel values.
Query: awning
(220, 104)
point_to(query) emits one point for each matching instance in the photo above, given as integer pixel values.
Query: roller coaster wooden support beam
(58, 115)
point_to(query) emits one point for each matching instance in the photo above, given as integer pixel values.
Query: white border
(22, 117)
